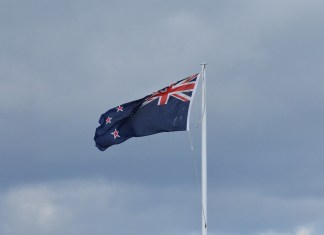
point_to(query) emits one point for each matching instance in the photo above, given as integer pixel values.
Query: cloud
(248, 212)
(302, 230)
(62, 64)
(101, 207)
(84, 206)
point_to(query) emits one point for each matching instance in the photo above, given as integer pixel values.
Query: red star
(108, 120)
(115, 133)
(120, 108)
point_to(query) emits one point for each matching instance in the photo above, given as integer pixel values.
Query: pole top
(203, 65)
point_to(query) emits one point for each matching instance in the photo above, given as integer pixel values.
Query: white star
(115, 133)
(120, 108)
(108, 120)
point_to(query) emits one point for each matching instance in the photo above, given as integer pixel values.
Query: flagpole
(204, 152)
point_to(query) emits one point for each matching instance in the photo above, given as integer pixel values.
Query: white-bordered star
(115, 133)
(108, 120)
(120, 108)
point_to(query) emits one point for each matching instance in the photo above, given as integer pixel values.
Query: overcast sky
(64, 63)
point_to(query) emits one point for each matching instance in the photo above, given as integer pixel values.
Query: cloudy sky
(64, 63)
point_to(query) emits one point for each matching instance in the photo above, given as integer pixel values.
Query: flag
(163, 111)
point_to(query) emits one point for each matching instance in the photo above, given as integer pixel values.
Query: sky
(64, 63)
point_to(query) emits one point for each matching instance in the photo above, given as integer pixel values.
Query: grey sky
(64, 63)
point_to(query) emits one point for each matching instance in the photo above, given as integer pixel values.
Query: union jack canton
(163, 111)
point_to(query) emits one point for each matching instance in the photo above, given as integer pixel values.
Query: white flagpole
(204, 152)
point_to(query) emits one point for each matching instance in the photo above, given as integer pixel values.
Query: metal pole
(204, 153)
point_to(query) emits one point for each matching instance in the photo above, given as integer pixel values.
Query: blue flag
(163, 111)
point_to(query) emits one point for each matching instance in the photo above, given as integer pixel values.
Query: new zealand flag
(163, 111)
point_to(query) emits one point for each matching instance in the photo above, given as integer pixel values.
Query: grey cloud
(64, 63)
(80, 207)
